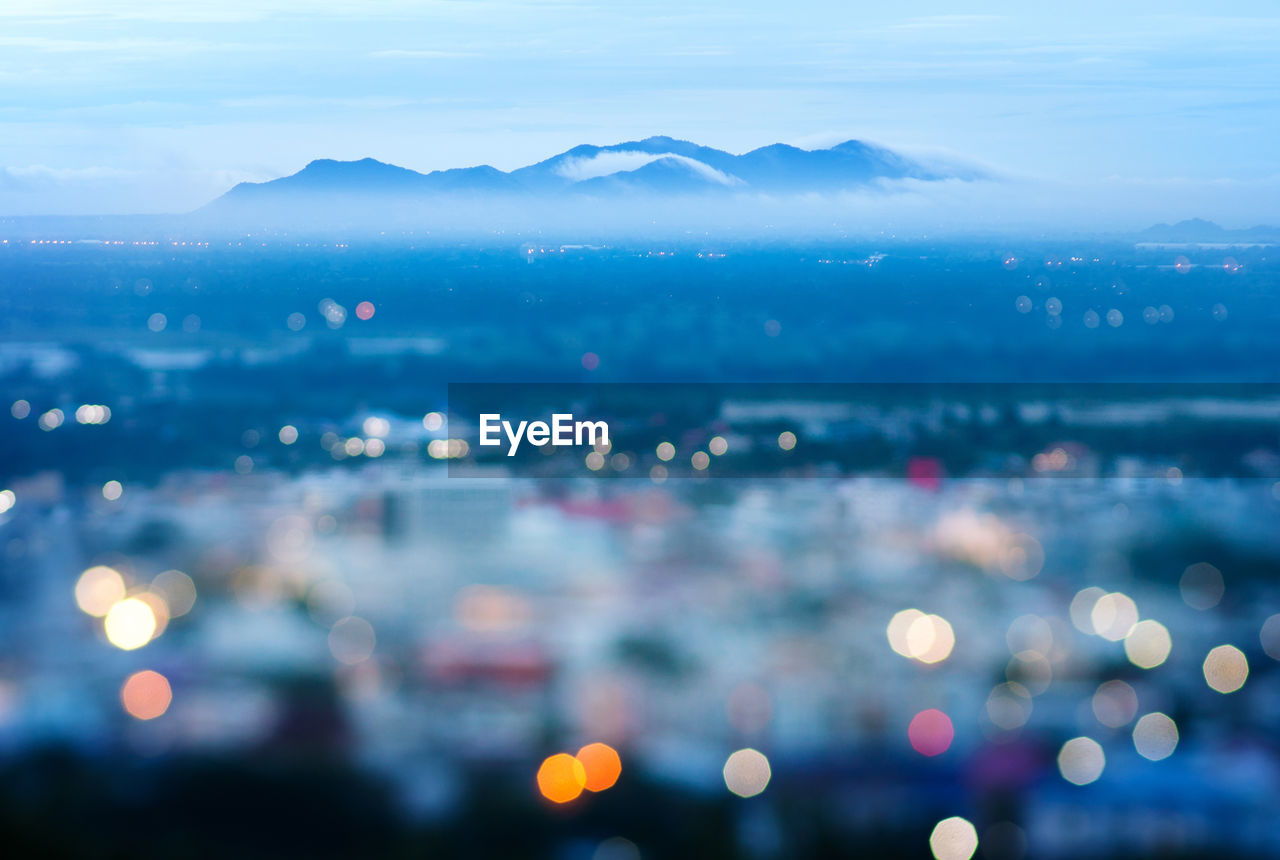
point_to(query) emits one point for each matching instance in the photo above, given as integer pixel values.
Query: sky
(109, 106)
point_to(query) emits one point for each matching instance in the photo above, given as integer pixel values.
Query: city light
(1081, 761)
(1115, 704)
(1148, 644)
(1114, 616)
(601, 764)
(561, 778)
(1155, 736)
(747, 772)
(953, 839)
(931, 732)
(1226, 669)
(98, 589)
(130, 624)
(146, 695)
(178, 591)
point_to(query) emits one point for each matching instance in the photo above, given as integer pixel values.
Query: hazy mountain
(655, 164)
(1199, 230)
(368, 176)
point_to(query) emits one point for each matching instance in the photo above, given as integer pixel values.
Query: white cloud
(946, 22)
(427, 54)
(608, 163)
(37, 176)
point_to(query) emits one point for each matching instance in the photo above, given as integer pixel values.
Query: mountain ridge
(656, 164)
(1199, 230)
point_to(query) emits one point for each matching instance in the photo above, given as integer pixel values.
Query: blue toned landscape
(938, 516)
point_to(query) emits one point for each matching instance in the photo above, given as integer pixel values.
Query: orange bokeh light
(602, 766)
(561, 778)
(146, 695)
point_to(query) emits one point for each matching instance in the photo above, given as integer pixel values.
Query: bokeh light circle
(602, 765)
(98, 589)
(146, 695)
(1155, 736)
(1148, 644)
(931, 732)
(953, 839)
(130, 624)
(1081, 761)
(747, 772)
(561, 778)
(1226, 669)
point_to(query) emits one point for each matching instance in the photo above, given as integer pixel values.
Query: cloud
(37, 176)
(250, 11)
(608, 163)
(946, 22)
(79, 46)
(427, 54)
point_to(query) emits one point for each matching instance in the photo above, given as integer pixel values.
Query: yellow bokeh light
(130, 624)
(112, 490)
(786, 440)
(159, 609)
(1226, 669)
(718, 445)
(561, 778)
(666, 451)
(898, 627)
(1148, 644)
(953, 839)
(930, 639)
(1114, 616)
(98, 589)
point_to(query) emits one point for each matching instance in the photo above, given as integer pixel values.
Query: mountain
(369, 177)
(660, 165)
(1198, 230)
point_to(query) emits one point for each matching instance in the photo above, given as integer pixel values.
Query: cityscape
(805, 616)
(639, 431)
